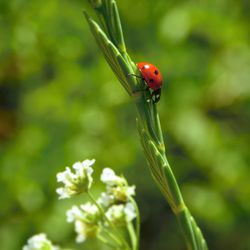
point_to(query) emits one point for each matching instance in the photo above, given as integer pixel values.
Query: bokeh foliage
(60, 102)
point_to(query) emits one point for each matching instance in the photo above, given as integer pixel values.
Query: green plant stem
(132, 236)
(138, 222)
(110, 39)
(152, 141)
(105, 241)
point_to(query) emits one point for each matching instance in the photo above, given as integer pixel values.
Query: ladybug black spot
(151, 80)
(156, 72)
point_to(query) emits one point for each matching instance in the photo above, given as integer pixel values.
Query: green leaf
(117, 27)
(111, 53)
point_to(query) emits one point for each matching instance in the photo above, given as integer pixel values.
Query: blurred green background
(60, 103)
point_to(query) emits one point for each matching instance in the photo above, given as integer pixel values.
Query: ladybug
(153, 78)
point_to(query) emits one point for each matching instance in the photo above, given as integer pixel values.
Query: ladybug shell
(150, 74)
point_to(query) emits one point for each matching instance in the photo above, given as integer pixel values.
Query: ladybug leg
(135, 76)
(156, 95)
(146, 87)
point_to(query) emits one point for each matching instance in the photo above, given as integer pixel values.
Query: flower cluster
(117, 189)
(87, 219)
(39, 242)
(121, 214)
(117, 197)
(99, 218)
(112, 209)
(78, 182)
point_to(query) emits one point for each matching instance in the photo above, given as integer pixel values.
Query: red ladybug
(151, 75)
(153, 78)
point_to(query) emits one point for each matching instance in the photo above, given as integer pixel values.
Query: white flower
(106, 199)
(78, 182)
(117, 188)
(122, 193)
(80, 230)
(39, 242)
(121, 214)
(84, 168)
(109, 177)
(85, 230)
(73, 214)
(129, 210)
(86, 218)
(90, 210)
(87, 212)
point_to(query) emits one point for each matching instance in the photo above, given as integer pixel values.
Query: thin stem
(112, 237)
(132, 235)
(138, 222)
(106, 242)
